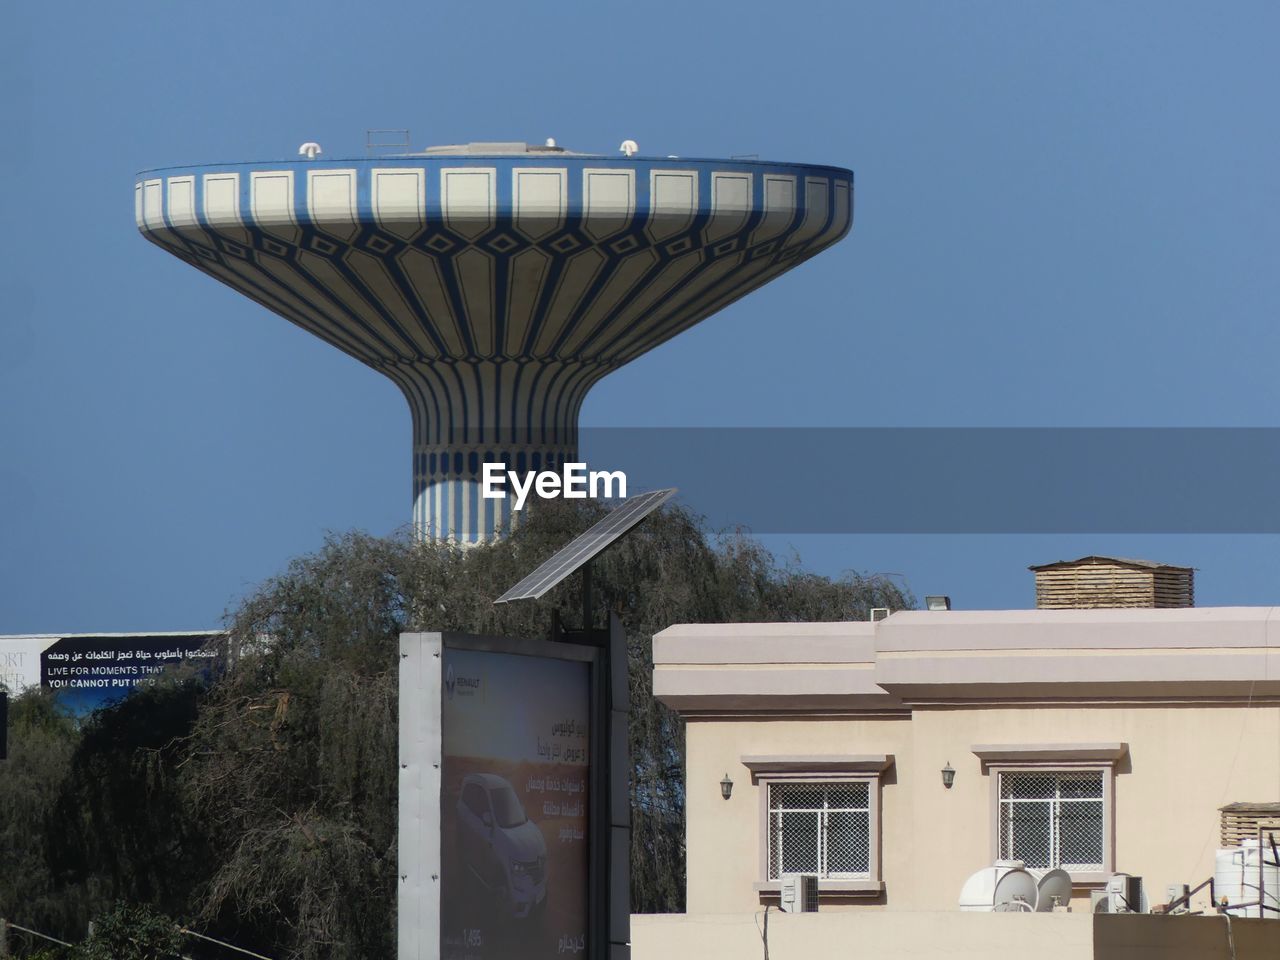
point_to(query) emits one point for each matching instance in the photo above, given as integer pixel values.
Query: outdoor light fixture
(726, 787)
(948, 775)
(937, 603)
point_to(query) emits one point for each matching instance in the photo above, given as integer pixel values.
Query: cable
(764, 934)
(1244, 726)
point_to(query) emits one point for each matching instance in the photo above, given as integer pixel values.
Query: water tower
(494, 283)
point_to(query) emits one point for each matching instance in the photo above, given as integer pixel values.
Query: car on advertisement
(501, 847)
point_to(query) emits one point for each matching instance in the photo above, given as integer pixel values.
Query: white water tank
(1246, 874)
(1050, 884)
(998, 885)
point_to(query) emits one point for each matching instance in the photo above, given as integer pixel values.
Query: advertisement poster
(87, 672)
(513, 806)
(20, 662)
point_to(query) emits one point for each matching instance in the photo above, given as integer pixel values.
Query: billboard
(88, 671)
(20, 661)
(495, 801)
(513, 806)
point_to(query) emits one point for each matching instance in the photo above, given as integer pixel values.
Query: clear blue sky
(1066, 215)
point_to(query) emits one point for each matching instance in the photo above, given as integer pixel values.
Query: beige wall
(1183, 762)
(723, 848)
(889, 935)
(881, 936)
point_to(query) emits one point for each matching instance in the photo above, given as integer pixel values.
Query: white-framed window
(820, 827)
(820, 815)
(1053, 804)
(1053, 818)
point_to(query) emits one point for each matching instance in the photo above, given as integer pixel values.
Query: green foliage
(264, 808)
(293, 758)
(130, 933)
(121, 822)
(42, 742)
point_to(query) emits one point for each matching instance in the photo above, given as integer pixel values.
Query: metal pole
(587, 605)
(4, 937)
(618, 777)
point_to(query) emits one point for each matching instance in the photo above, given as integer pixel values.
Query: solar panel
(587, 545)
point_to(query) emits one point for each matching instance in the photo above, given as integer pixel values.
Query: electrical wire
(1226, 789)
(764, 933)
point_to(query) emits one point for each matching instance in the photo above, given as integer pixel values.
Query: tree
(123, 830)
(262, 806)
(41, 744)
(291, 765)
(130, 933)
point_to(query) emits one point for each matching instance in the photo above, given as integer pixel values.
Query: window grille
(820, 828)
(1053, 819)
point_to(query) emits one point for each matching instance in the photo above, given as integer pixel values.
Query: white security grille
(1052, 819)
(820, 828)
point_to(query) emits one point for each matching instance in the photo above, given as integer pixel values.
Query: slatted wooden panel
(1101, 584)
(1240, 821)
(1175, 588)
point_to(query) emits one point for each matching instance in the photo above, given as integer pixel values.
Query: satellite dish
(1016, 905)
(309, 150)
(1052, 883)
(999, 888)
(629, 147)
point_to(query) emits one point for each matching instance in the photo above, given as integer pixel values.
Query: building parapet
(919, 658)
(772, 668)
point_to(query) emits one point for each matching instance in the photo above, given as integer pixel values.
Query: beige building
(1094, 741)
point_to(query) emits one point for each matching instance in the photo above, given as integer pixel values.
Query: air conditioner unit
(880, 613)
(1178, 891)
(799, 893)
(1122, 894)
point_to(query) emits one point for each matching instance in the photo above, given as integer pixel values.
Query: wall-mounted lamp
(948, 775)
(726, 787)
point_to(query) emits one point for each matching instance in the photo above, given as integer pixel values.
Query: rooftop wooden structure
(1243, 821)
(1093, 582)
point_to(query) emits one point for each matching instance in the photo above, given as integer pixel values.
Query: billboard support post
(617, 761)
(610, 900)
(418, 843)
(588, 607)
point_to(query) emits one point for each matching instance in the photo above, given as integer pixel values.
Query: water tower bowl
(494, 284)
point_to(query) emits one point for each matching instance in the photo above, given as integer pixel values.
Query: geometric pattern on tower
(495, 291)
